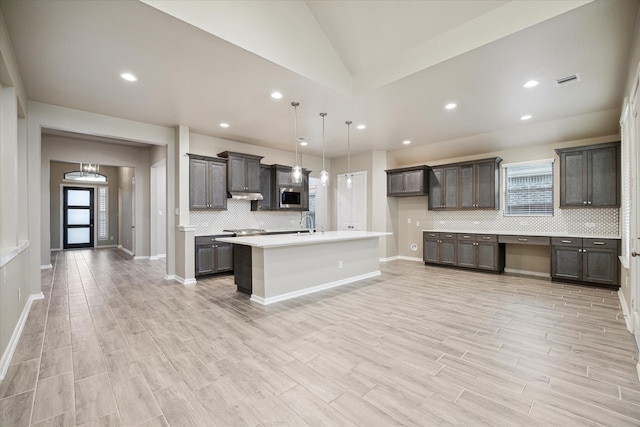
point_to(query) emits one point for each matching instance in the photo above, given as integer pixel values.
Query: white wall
(16, 294)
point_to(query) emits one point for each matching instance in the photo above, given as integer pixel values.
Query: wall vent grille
(563, 81)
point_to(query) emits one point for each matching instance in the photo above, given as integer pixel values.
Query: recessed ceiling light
(531, 83)
(224, 125)
(129, 77)
(450, 106)
(361, 127)
(526, 117)
(406, 142)
(276, 95)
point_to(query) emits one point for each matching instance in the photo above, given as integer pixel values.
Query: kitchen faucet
(304, 218)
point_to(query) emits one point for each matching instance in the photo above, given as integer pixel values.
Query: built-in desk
(581, 259)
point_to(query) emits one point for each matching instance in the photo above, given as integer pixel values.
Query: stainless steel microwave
(290, 198)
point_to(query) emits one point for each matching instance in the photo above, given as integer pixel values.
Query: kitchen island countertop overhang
(291, 265)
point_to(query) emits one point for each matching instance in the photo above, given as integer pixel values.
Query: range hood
(244, 196)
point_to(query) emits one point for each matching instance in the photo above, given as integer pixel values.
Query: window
(626, 133)
(528, 188)
(103, 213)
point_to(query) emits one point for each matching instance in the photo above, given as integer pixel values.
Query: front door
(77, 217)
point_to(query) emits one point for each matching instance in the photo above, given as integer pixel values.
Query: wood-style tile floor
(114, 344)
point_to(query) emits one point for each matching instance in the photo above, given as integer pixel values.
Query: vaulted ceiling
(391, 65)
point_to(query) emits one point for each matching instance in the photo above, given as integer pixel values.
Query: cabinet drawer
(524, 240)
(467, 236)
(600, 243)
(566, 241)
(207, 240)
(430, 235)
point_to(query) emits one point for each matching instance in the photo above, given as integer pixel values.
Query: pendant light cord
(295, 109)
(348, 123)
(323, 116)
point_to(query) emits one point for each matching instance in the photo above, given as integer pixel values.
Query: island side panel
(291, 270)
(257, 272)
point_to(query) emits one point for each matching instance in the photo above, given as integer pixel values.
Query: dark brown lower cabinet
(212, 256)
(589, 261)
(467, 250)
(440, 248)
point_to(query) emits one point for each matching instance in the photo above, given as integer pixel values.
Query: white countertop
(524, 233)
(227, 233)
(301, 239)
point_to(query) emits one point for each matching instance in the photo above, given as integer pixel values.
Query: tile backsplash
(239, 215)
(573, 222)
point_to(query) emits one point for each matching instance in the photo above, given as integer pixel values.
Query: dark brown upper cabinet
(243, 173)
(466, 185)
(590, 176)
(404, 182)
(207, 183)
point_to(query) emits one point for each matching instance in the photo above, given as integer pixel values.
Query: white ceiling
(392, 65)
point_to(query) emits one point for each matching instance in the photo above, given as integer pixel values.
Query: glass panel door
(78, 217)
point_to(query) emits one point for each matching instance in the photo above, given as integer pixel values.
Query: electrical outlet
(110, 237)
(524, 223)
(339, 264)
(590, 224)
(408, 220)
(441, 222)
(417, 223)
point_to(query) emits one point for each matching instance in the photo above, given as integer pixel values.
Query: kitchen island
(291, 265)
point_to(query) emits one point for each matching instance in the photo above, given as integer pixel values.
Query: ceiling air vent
(574, 78)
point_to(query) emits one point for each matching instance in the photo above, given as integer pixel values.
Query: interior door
(352, 202)
(78, 218)
(634, 238)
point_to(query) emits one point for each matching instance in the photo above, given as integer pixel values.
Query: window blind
(529, 189)
(103, 213)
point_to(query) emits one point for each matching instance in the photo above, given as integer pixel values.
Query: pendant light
(324, 175)
(349, 180)
(297, 169)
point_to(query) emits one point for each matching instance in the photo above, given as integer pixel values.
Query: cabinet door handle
(523, 240)
(467, 237)
(565, 241)
(635, 254)
(598, 243)
(486, 237)
(584, 203)
(589, 202)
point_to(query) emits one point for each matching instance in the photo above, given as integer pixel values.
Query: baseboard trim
(125, 250)
(625, 310)
(140, 257)
(169, 277)
(401, 257)
(314, 289)
(46, 267)
(183, 281)
(410, 258)
(527, 273)
(5, 361)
